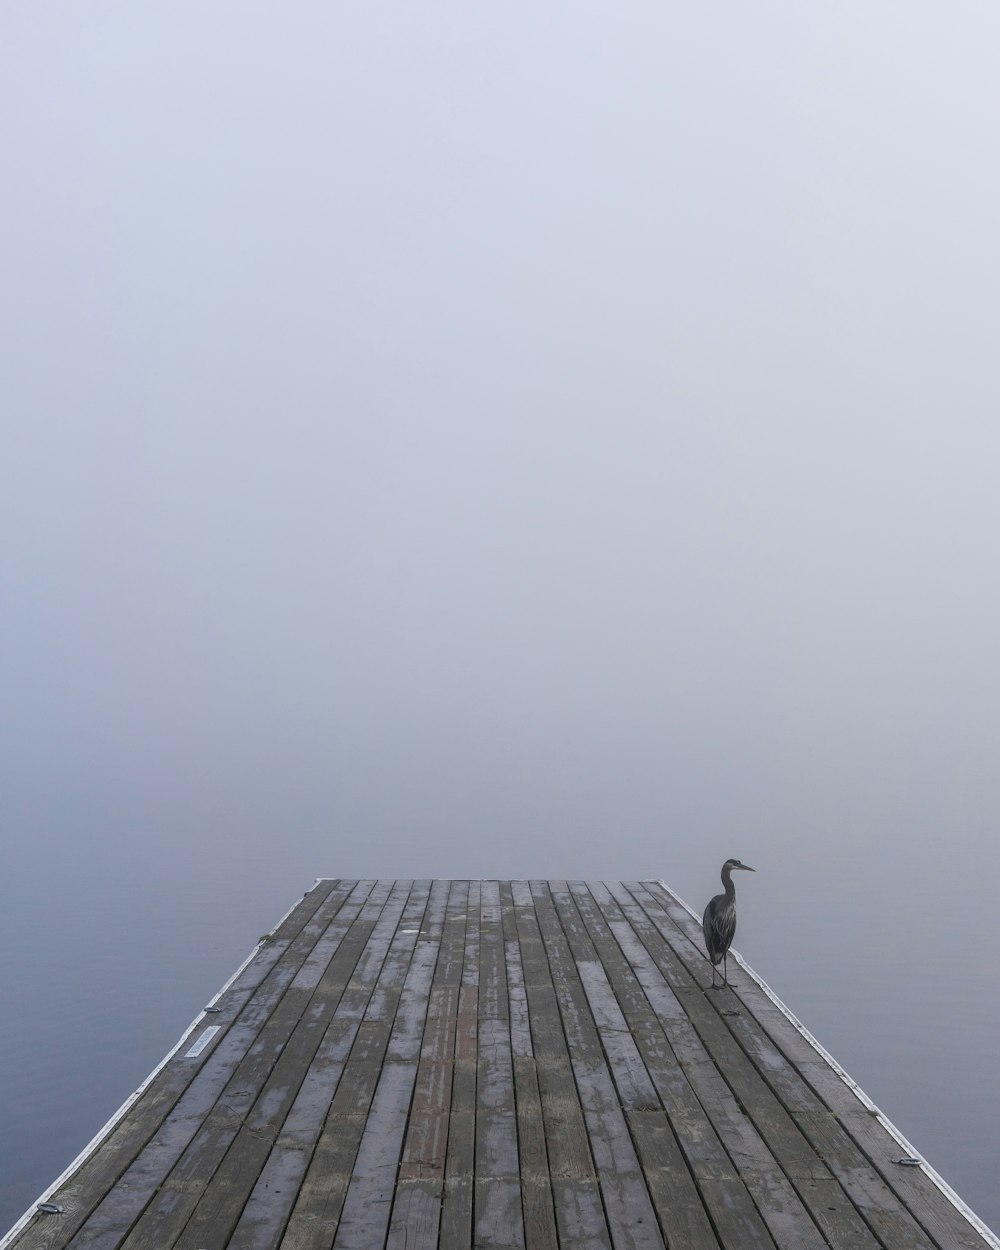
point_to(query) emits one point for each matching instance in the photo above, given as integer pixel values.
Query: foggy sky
(468, 439)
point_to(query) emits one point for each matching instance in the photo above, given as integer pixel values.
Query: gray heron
(719, 920)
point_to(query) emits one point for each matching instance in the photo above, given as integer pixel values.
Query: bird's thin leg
(725, 969)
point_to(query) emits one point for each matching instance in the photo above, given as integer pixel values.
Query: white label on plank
(203, 1041)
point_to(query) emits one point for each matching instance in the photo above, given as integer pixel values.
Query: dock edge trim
(960, 1205)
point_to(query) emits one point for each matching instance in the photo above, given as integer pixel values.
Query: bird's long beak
(747, 868)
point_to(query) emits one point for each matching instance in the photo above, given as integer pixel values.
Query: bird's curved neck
(727, 881)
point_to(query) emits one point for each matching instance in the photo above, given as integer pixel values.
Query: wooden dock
(419, 1064)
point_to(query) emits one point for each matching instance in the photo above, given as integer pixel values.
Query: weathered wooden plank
(565, 1130)
(637, 1052)
(536, 1186)
(368, 1203)
(630, 1214)
(426, 1143)
(416, 1215)
(416, 1209)
(319, 1204)
(256, 1184)
(642, 1063)
(456, 1199)
(499, 1219)
(274, 1193)
(425, 1149)
(576, 1194)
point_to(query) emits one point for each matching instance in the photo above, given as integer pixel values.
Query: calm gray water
(116, 931)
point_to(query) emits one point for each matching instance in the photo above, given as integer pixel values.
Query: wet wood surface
(434, 1065)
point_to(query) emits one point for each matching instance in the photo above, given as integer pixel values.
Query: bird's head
(734, 864)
